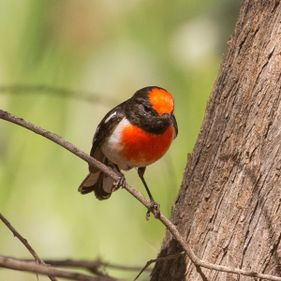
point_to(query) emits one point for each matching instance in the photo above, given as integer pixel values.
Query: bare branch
(91, 265)
(148, 263)
(24, 242)
(169, 225)
(58, 92)
(43, 269)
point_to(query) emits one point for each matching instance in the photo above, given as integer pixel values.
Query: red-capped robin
(134, 134)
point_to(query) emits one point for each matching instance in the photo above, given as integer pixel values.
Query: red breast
(142, 148)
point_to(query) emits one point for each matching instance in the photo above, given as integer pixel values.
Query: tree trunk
(229, 204)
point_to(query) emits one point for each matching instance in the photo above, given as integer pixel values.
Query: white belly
(112, 146)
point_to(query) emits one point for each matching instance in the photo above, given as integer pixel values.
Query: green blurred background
(109, 49)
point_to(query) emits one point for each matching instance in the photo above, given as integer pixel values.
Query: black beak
(174, 123)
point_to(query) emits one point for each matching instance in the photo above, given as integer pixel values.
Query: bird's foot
(154, 208)
(120, 182)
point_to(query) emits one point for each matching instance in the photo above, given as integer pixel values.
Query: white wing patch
(112, 115)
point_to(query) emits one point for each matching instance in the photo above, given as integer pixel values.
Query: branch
(24, 242)
(169, 225)
(43, 269)
(89, 265)
(148, 263)
(57, 91)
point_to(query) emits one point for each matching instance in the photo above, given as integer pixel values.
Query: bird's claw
(120, 182)
(154, 208)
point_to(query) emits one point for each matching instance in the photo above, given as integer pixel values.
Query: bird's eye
(146, 108)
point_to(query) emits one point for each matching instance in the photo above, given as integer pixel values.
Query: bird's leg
(154, 207)
(120, 182)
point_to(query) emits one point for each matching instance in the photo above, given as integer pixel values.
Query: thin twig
(57, 92)
(43, 269)
(25, 243)
(169, 225)
(148, 263)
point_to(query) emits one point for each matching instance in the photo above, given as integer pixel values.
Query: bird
(134, 134)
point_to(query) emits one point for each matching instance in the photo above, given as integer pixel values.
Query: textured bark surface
(229, 205)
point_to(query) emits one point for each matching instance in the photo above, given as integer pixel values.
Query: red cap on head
(161, 100)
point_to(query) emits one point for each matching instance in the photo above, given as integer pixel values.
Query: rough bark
(229, 204)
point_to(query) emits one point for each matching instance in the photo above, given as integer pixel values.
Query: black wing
(96, 181)
(106, 126)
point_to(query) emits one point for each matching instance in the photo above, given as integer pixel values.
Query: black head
(150, 108)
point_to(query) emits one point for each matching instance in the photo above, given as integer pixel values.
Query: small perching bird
(134, 134)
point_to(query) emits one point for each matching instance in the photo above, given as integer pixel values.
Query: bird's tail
(96, 181)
